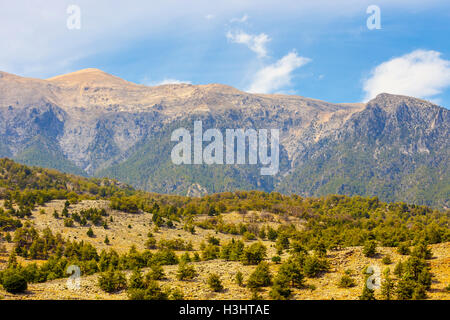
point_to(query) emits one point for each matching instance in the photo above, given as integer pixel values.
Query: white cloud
(42, 46)
(278, 75)
(147, 82)
(421, 74)
(240, 20)
(172, 81)
(209, 16)
(256, 43)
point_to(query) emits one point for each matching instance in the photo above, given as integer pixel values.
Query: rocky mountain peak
(391, 102)
(90, 76)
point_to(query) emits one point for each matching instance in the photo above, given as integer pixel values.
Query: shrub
(247, 236)
(271, 234)
(282, 241)
(150, 243)
(419, 293)
(253, 254)
(313, 266)
(90, 233)
(210, 252)
(422, 251)
(346, 282)
(164, 257)
(239, 278)
(417, 270)
(196, 257)
(403, 249)
(425, 278)
(255, 295)
(13, 281)
(387, 287)
(370, 248)
(262, 233)
(174, 244)
(297, 247)
(186, 272)
(8, 237)
(136, 280)
(68, 222)
(398, 271)
(213, 240)
(405, 289)
(232, 250)
(291, 271)
(280, 289)
(386, 259)
(276, 259)
(261, 277)
(320, 249)
(112, 281)
(367, 294)
(156, 273)
(185, 257)
(214, 282)
(152, 292)
(176, 294)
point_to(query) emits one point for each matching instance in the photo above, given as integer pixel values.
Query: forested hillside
(139, 245)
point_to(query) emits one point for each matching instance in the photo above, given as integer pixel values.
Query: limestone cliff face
(89, 122)
(397, 148)
(95, 117)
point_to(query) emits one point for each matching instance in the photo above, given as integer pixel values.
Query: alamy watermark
(235, 140)
(374, 20)
(74, 281)
(374, 280)
(74, 18)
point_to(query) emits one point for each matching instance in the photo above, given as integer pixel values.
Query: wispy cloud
(164, 81)
(278, 75)
(243, 19)
(173, 81)
(421, 73)
(256, 43)
(41, 45)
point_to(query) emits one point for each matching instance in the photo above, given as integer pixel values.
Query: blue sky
(321, 49)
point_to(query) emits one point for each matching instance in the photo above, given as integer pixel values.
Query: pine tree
(239, 278)
(367, 294)
(215, 283)
(186, 272)
(261, 277)
(387, 287)
(90, 233)
(292, 271)
(370, 248)
(280, 289)
(156, 272)
(136, 280)
(65, 212)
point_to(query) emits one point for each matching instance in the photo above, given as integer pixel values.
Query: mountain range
(95, 124)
